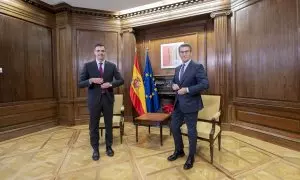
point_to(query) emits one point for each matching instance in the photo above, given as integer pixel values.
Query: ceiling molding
(220, 13)
(163, 8)
(64, 7)
(109, 14)
(40, 5)
(179, 10)
(205, 8)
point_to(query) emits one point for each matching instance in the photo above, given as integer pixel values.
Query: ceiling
(114, 5)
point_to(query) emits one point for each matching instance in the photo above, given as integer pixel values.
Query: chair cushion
(211, 105)
(116, 121)
(118, 104)
(203, 129)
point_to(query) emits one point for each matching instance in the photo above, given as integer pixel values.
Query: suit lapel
(188, 68)
(177, 74)
(95, 68)
(106, 69)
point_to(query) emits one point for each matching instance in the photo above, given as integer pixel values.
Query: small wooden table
(152, 119)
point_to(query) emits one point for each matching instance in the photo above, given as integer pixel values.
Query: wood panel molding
(26, 12)
(271, 137)
(17, 119)
(222, 61)
(268, 104)
(272, 121)
(127, 30)
(89, 22)
(220, 13)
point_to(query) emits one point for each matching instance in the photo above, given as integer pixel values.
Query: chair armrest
(213, 119)
(213, 126)
(217, 115)
(122, 114)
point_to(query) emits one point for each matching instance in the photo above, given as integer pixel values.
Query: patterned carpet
(65, 153)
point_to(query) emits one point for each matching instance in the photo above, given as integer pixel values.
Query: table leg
(149, 129)
(161, 141)
(170, 128)
(136, 133)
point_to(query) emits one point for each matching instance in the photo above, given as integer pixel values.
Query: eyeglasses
(184, 52)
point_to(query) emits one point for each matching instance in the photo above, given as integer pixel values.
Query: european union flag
(152, 99)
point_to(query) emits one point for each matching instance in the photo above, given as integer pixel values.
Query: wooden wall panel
(27, 99)
(266, 70)
(267, 65)
(211, 67)
(63, 63)
(26, 61)
(13, 57)
(82, 114)
(39, 65)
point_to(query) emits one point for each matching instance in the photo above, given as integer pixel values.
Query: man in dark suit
(189, 80)
(100, 76)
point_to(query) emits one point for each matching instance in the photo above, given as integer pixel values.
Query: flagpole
(146, 53)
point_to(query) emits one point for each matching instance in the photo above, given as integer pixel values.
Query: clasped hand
(180, 91)
(100, 81)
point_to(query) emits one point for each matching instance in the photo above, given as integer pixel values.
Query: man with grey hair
(188, 82)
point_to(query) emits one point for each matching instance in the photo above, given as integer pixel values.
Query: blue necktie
(181, 72)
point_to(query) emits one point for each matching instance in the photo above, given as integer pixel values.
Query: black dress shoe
(109, 151)
(189, 163)
(96, 155)
(176, 155)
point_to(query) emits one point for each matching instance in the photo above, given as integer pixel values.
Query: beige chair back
(118, 104)
(211, 105)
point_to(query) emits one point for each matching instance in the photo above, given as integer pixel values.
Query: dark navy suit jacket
(111, 74)
(195, 79)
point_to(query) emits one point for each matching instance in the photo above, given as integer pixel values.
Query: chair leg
(121, 134)
(101, 132)
(149, 129)
(219, 141)
(211, 150)
(170, 128)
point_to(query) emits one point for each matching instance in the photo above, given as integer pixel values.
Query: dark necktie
(100, 70)
(181, 72)
(101, 76)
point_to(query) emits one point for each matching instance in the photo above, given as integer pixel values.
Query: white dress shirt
(98, 64)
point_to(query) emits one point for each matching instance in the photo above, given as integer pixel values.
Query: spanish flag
(137, 89)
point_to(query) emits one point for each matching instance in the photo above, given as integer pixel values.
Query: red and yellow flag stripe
(137, 89)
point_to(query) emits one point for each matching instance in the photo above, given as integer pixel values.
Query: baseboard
(226, 126)
(9, 134)
(81, 121)
(288, 142)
